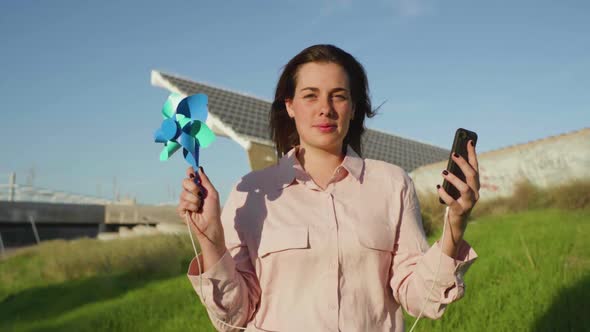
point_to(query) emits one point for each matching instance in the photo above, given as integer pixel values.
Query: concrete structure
(24, 223)
(545, 162)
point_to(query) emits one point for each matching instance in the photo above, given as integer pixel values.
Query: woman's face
(321, 106)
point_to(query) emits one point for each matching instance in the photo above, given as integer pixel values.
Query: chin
(326, 144)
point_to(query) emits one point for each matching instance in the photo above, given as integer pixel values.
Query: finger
(189, 172)
(185, 208)
(471, 176)
(463, 188)
(180, 211)
(190, 198)
(190, 186)
(472, 156)
(191, 207)
(448, 199)
(205, 182)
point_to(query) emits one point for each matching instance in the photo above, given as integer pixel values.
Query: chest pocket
(275, 239)
(377, 236)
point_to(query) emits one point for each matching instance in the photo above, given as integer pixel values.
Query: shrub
(526, 196)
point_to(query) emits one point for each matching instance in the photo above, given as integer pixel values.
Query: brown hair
(282, 127)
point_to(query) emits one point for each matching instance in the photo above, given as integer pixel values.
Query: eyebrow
(316, 89)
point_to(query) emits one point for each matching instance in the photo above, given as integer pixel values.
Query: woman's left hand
(460, 208)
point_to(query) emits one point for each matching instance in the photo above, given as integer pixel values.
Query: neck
(320, 164)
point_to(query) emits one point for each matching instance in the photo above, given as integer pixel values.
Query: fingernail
(192, 176)
(202, 170)
(438, 186)
(471, 142)
(445, 172)
(455, 155)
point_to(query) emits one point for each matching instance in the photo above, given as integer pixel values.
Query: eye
(340, 97)
(311, 95)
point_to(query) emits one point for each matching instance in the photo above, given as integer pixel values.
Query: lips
(325, 125)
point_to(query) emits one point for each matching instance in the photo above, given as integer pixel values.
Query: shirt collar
(290, 168)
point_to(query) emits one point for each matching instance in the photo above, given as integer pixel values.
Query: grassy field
(533, 274)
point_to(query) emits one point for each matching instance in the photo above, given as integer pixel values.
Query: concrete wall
(18, 235)
(69, 221)
(19, 212)
(545, 162)
(261, 156)
(140, 214)
(53, 221)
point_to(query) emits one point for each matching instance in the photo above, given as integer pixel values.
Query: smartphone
(462, 137)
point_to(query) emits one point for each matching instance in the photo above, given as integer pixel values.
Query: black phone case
(462, 136)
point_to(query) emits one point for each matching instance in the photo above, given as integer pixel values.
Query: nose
(326, 106)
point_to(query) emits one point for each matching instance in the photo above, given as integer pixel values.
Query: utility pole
(11, 186)
(1, 246)
(31, 176)
(115, 190)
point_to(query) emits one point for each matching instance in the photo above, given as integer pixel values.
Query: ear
(289, 107)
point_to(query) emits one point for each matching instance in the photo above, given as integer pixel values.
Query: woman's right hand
(204, 212)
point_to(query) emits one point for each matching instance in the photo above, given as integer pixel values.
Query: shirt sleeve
(231, 290)
(414, 276)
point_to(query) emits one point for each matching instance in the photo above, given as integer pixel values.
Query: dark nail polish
(202, 170)
(438, 186)
(192, 176)
(455, 155)
(445, 172)
(471, 142)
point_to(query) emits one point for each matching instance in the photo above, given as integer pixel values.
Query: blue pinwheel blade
(159, 136)
(183, 108)
(167, 131)
(194, 107)
(198, 107)
(187, 141)
(189, 145)
(192, 158)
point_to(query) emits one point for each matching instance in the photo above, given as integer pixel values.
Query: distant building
(245, 120)
(545, 162)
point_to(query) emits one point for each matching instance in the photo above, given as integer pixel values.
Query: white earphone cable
(437, 270)
(190, 233)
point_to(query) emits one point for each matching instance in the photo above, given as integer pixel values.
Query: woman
(325, 240)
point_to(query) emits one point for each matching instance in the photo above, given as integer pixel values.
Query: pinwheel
(184, 126)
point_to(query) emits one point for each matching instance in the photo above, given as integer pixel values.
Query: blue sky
(78, 107)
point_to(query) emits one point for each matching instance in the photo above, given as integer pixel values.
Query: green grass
(533, 274)
(88, 285)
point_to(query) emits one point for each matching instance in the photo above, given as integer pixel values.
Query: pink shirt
(346, 258)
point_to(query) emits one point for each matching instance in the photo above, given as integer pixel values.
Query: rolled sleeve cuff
(451, 270)
(223, 269)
